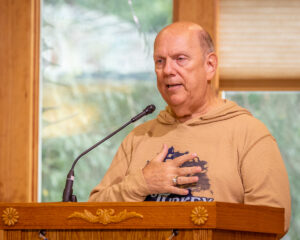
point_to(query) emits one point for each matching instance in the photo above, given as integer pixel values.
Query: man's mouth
(173, 85)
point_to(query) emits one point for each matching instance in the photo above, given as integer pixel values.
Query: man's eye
(159, 61)
(181, 58)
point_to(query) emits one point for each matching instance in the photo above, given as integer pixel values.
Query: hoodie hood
(226, 111)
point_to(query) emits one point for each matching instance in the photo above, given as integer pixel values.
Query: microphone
(68, 191)
(149, 109)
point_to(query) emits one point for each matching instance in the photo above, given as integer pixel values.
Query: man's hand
(159, 175)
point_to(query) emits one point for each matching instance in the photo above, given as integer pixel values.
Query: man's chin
(179, 108)
(176, 101)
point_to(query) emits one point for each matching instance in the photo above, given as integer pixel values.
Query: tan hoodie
(240, 159)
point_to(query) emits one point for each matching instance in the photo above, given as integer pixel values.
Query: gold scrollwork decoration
(10, 216)
(105, 216)
(199, 215)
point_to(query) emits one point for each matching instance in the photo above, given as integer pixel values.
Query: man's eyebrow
(176, 54)
(157, 56)
(180, 54)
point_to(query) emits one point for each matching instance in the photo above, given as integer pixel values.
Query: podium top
(142, 215)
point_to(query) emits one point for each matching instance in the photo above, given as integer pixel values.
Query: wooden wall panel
(202, 12)
(19, 97)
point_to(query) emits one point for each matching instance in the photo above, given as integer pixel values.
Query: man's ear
(211, 65)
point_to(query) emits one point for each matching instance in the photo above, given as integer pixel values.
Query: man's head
(185, 63)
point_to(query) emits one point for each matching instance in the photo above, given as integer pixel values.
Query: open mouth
(173, 85)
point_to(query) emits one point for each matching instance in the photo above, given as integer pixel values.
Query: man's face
(180, 69)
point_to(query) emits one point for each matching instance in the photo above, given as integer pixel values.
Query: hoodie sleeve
(265, 177)
(118, 185)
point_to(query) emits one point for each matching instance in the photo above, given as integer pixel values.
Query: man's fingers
(163, 153)
(179, 191)
(189, 170)
(181, 181)
(182, 159)
(186, 180)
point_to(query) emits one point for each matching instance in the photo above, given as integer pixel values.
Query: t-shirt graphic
(199, 191)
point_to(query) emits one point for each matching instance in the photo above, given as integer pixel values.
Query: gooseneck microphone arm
(68, 191)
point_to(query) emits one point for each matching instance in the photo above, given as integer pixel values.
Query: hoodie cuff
(137, 184)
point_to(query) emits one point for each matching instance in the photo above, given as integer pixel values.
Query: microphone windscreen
(150, 109)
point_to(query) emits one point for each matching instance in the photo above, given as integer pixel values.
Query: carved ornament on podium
(199, 215)
(105, 216)
(10, 216)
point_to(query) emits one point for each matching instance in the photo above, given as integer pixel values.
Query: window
(97, 73)
(259, 45)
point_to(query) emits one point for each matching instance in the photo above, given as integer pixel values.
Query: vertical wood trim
(204, 13)
(19, 99)
(36, 9)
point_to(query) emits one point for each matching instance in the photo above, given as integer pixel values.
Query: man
(201, 148)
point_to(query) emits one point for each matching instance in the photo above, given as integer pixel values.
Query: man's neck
(184, 114)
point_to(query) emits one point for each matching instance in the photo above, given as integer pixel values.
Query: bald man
(200, 148)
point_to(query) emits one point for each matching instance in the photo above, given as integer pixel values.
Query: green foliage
(59, 153)
(152, 15)
(113, 100)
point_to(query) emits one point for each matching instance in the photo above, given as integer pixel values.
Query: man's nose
(169, 67)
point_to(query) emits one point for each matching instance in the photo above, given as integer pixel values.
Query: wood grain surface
(221, 216)
(19, 97)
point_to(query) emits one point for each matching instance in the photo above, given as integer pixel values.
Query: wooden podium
(144, 220)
